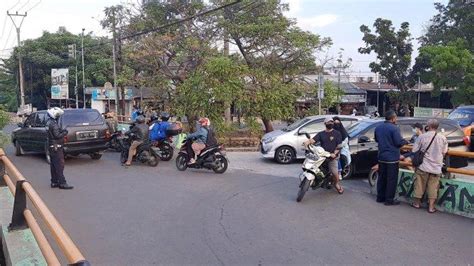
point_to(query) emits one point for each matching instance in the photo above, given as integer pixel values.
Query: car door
(367, 151)
(39, 132)
(23, 136)
(312, 128)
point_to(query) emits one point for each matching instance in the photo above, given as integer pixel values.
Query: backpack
(211, 138)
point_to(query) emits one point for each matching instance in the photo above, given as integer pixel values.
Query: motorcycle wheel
(153, 160)
(303, 188)
(221, 164)
(182, 162)
(166, 152)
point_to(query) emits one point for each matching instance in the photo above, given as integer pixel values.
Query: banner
(59, 83)
(100, 94)
(431, 112)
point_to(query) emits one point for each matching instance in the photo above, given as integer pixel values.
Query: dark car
(88, 133)
(364, 148)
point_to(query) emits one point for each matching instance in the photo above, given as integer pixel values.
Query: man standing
(389, 142)
(331, 141)
(56, 149)
(427, 175)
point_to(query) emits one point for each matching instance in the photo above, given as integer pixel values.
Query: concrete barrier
(19, 246)
(455, 196)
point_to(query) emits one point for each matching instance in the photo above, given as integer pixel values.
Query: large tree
(275, 50)
(393, 48)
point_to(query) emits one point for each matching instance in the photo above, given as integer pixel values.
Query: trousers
(57, 166)
(387, 181)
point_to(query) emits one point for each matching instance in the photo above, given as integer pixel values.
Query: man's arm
(416, 145)
(56, 132)
(397, 138)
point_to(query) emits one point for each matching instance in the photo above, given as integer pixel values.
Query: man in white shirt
(427, 175)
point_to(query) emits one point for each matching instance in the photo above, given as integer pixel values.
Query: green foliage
(4, 120)
(7, 90)
(393, 49)
(332, 95)
(450, 66)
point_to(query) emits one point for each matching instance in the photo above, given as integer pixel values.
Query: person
(408, 156)
(200, 137)
(56, 149)
(354, 112)
(427, 175)
(112, 122)
(136, 112)
(345, 145)
(158, 129)
(389, 140)
(140, 134)
(331, 141)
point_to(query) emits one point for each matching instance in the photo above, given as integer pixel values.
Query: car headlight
(268, 140)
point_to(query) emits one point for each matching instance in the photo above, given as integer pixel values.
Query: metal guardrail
(22, 217)
(463, 154)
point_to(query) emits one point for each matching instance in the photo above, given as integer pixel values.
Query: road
(247, 216)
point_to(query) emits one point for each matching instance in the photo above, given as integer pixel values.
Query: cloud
(319, 21)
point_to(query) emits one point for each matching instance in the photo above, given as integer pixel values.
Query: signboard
(59, 83)
(353, 98)
(431, 112)
(101, 94)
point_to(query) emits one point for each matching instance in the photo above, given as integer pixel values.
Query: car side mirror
(364, 139)
(307, 135)
(302, 132)
(21, 125)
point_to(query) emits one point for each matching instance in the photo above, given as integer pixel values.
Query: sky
(338, 19)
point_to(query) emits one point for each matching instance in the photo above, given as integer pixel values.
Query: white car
(286, 145)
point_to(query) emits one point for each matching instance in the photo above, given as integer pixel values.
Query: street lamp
(83, 75)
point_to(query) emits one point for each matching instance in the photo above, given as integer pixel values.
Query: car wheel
(284, 155)
(95, 156)
(373, 175)
(347, 170)
(18, 149)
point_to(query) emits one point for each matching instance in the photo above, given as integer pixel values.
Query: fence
(23, 217)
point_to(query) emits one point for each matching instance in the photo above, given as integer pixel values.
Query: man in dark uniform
(56, 149)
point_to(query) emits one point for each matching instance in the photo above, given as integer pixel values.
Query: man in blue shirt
(158, 129)
(389, 142)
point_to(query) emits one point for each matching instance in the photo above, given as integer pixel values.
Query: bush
(4, 120)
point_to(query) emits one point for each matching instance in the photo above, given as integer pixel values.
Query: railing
(448, 154)
(22, 216)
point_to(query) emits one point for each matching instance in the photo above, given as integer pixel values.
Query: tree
(276, 52)
(449, 66)
(454, 20)
(393, 49)
(4, 120)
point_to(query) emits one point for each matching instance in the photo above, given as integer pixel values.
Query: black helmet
(140, 119)
(164, 116)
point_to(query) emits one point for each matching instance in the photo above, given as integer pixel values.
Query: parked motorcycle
(164, 149)
(114, 143)
(315, 172)
(212, 158)
(144, 154)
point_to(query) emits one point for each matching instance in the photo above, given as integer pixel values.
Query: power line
(23, 5)
(8, 38)
(4, 24)
(34, 6)
(14, 5)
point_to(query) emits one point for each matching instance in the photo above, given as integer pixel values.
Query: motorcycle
(212, 158)
(114, 143)
(144, 154)
(163, 149)
(315, 172)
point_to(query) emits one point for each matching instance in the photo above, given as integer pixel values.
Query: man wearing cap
(331, 141)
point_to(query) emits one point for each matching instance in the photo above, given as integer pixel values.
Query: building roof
(350, 88)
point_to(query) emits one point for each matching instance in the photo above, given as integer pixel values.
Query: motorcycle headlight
(268, 140)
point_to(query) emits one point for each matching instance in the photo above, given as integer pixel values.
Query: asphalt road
(247, 216)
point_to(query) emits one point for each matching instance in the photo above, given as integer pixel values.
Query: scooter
(163, 149)
(212, 158)
(144, 154)
(315, 172)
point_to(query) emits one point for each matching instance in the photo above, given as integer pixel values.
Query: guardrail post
(447, 163)
(81, 263)
(19, 206)
(2, 173)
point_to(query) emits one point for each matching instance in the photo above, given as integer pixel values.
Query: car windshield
(460, 114)
(296, 124)
(359, 127)
(81, 118)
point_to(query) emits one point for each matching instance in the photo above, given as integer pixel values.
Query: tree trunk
(268, 125)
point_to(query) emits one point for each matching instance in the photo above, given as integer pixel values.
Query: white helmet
(55, 112)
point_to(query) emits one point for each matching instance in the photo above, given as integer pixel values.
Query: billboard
(59, 83)
(431, 112)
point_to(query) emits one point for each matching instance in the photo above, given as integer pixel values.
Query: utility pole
(114, 55)
(227, 112)
(83, 74)
(320, 91)
(419, 89)
(73, 54)
(20, 66)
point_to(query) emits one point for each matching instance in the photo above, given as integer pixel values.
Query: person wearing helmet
(200, 137)
(158, 129)
(139, 133)
(56, 149)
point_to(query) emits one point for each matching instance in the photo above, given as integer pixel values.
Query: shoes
(54, 185)
(380, 200)
(65, 186)
(392, 203)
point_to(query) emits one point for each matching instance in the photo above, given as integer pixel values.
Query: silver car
(286, 145)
